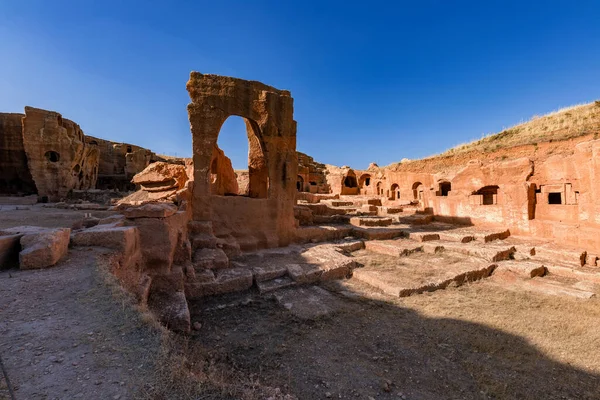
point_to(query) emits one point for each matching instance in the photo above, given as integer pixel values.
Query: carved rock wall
(59, 160)
(15, 178)
(119, 162)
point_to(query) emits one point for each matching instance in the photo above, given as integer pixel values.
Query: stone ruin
(197, 228)
(47, 156)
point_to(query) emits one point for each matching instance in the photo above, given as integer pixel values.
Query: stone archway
(395, 192)
(418, 190)
(267, 215)
(300, 184)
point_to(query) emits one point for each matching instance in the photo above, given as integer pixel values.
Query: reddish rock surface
(15, 177)
(59, 159)
(266, 216)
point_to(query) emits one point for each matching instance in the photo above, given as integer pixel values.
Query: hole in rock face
(367, 181)
(554, 198)
(445, 188)
(487, 193)
(129, 150)
(76, 168)
(350, 182)
(300, 184)
(52, 156)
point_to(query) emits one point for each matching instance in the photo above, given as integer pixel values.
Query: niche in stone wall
(557, 194)
(417, 189)
(300, 184)
(487, 195)
(395, 192)
(444, 187)
(52, 156)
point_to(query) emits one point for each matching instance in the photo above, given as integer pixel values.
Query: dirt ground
(68, 332)
(38, 215)
(65, 333)
(473, 342)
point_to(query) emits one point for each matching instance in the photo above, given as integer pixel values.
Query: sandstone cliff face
(547, 189)
(59, 160)
(15, 178)
(119, 162)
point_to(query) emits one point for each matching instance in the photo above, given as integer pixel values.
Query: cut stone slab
(416, 219)
(412, 275)
(397, 248)
(268, 271)
(391, 210)
(109, 236)
(204, 240)
(340, 203)
(350, 245)
(332, 263)
(304, 273)
(210, 259)
(371, 221)
(150, 210)
(456, 236)
(374, 202)
(308, 302)
(522, 268)
(306, 234)
(548, 286)
(423, 236)
(226, 280)
(44, 249)
(560, 255)
(580, 273)
(375, 233)
(274, 284)
(487, 251)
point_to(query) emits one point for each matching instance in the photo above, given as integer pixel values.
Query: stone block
(44, 249)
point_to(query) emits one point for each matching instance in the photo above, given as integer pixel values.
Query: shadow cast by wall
(371, 348)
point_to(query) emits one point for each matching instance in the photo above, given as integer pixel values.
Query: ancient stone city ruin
(520, 209)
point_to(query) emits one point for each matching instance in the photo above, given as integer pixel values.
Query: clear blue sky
(372, 81)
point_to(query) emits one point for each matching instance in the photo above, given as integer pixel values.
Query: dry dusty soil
(67, 332)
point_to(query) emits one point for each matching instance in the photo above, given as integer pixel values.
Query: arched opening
(246, 156)
(488, 195)
(129, 149)
(52, 156)
(365, 180)
(379, 189)
(300, 184)
(444, 188)
(350, 181)
(395, 192)
(417, 189)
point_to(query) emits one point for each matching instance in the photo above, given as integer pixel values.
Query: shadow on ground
(376, 349)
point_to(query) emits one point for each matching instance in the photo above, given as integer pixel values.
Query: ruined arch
(267, 217)
(418, 190)
(395, 192)
(300, 184)
(364, 180)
